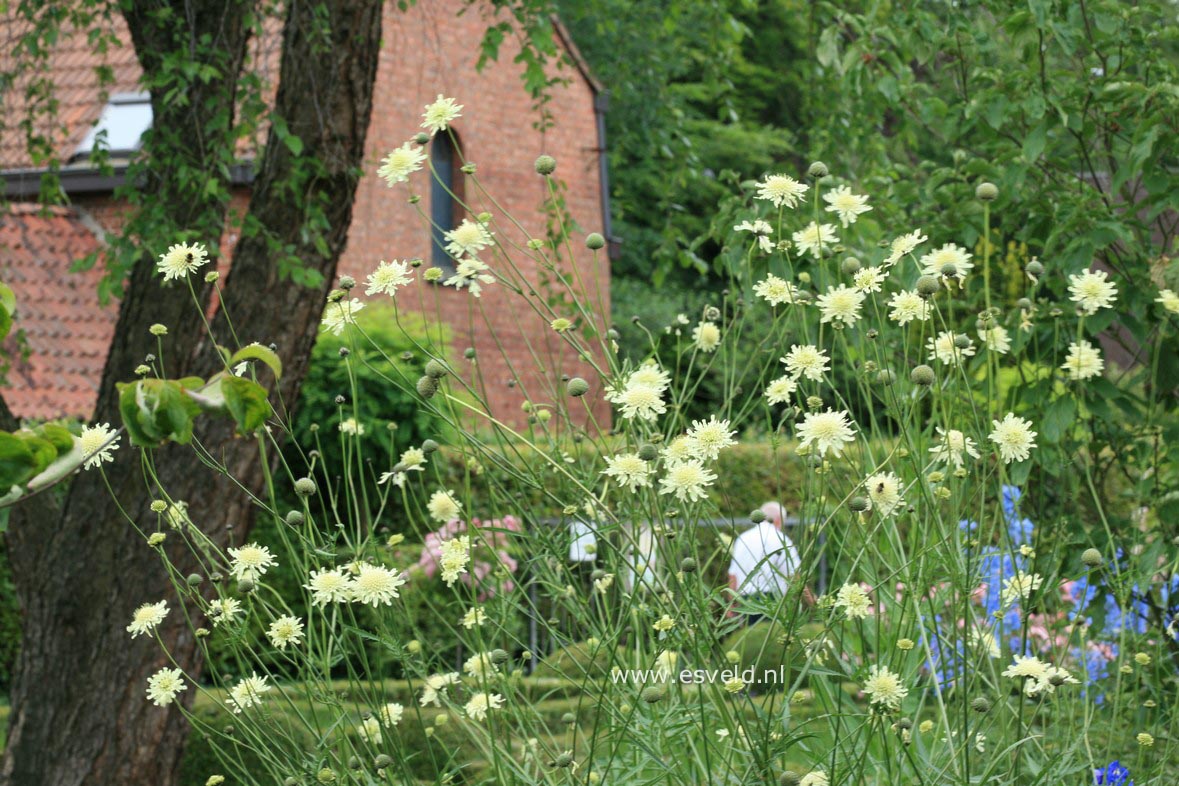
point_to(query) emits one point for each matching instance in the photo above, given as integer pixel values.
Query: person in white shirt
(764, 558)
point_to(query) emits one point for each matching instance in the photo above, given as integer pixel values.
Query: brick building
(427, 50)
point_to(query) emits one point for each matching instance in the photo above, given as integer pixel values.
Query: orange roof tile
(66, 329)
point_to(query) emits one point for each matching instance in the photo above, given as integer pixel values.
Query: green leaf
(157, 410)
(59, 436)
(259, 352)
(1058, 417)
(17, 462)
(247, 404)
(7, 309)
(1034, 144)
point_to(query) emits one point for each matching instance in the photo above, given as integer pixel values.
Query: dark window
(446, 195)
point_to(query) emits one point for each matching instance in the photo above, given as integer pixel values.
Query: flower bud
(922, 375)
(577, 387)
(653, 693)
(246, 586)
(859, 504)
(850, 266)
(469, 353)
(948, 270)
(295, 518)
(594, 241)
(499, 656)
(194, 579)
(886, 377)
(648, 452)
(1092, 558)
(981, 705)
(928, 286)
(347, 282)
(1035, 268)
(305, 487)
(382, 761)
(436, 369)
(817, 170)
(987, 192)
(421, 138)
(429, 446)
(545, 165)
(789, 778)
(158, 330)
(757, 517)
(688, 565)
(427, 386)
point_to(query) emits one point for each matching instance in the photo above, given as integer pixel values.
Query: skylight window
(124, 120)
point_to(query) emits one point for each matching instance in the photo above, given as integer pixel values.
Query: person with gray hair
(765, 559)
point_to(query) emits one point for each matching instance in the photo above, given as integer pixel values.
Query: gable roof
(66, 330)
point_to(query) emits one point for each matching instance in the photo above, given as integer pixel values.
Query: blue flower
(1113, 774)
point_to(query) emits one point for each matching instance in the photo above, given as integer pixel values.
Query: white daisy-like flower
(401, 163)
(814, 778)
(456, 555)
(846, 205)
(474, 617)
(680, 449)
(644, 402)
(1092, 291)
(908, 306)
(480, 666)
(250, 562)
(854, 601)
(952, 446)
(472, 274)
(1083, 361)
(944, 348)
(996, 339)
(869, 279)
(435, 688)
(443, 507)
(439, 115)
(650, 374)
(481, 703)
(467, 239)
(806, 360)
(391, 714)
(884, 492)
(706, 336)
(1038, 677)
(840, 304)
(328, 586)
(688, 480)
(1019, 588)
(182, 259)
(285, 630)
(388, 276)
(413, 459)
(710, 437)
(147, 618)
(904, 245)
(780, 390)
(757, 227)
(369, 730)
(949, 254)
(813, 238)
(775, 291)
(248, 693)
(376, 585)
(341, 313)
(628, 471)
(781, 190)
(826, 431)
(1169, 300)
(223, 611)
(97, 444)
(1014, 437)
(164, 686)
(352, 427)
(883, 687)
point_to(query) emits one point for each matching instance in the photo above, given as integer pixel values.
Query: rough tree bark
(79, 713)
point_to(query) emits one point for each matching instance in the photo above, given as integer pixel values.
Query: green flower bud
(594, 241)
(295, 519)
(347, 283)
(817, 170)
(688, 565)
(1035, 268)
(850, 266)
(545, 165)
(648, 452)
(928, 286)
(987, 192)
(436, 369)
(653, 693)
(886, 377)
(981, 705)
(577, 387)
(305, 487)
(859, 504)
(429, 446)
(427, 386)
(757, 517)
(1092, 558)
(382, 761)
(923, 375)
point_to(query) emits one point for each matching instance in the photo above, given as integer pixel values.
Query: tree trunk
(79, 712)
